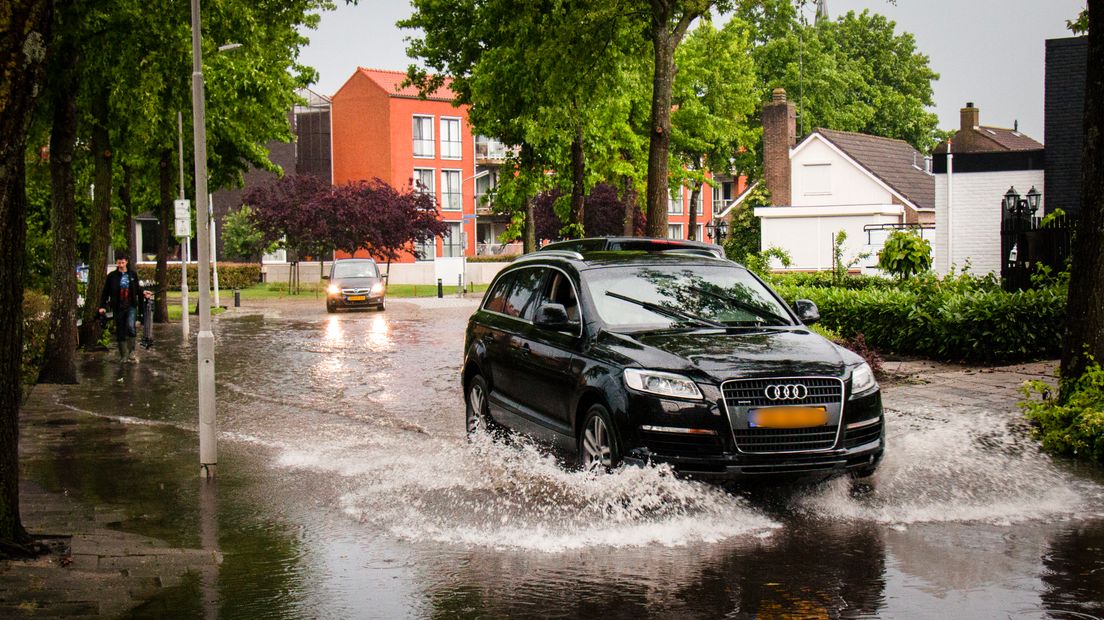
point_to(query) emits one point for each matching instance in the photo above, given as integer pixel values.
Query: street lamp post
(717, 230)
(205, 341)
(1021, 208)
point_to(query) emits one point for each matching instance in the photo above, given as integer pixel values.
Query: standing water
(347, 489)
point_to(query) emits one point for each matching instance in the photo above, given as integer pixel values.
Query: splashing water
(511, 495)
(960, 466)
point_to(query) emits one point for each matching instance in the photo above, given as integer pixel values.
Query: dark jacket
(111, 294)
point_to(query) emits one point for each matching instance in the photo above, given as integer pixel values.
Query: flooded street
(346, 489)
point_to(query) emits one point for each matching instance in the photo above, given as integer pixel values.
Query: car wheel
(598, 446)
(380, 307)
(477, 413)
(331, 307)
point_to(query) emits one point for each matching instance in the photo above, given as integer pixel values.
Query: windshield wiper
(762, 313)
(668, 312)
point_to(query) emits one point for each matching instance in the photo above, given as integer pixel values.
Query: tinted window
(559, 290)
(496, 299)
(526, 283)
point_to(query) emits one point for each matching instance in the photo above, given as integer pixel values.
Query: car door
(508, 328)
(548, 355)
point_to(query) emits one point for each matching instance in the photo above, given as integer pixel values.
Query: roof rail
(547, 253)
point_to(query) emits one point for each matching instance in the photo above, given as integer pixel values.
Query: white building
(973, 170)
(864, 185)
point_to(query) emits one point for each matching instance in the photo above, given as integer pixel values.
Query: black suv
(637, 357)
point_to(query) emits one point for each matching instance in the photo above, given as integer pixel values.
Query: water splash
(955, 466)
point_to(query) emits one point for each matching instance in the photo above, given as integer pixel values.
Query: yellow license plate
(356, 298)
(787, 417)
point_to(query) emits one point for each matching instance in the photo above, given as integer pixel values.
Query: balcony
(489, 150)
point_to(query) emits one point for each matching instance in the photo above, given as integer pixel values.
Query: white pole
(214, 248)
(205, 341)
(184, 319)
(950, 211)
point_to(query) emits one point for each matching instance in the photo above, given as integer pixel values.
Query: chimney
(779, 136)
(969, 117)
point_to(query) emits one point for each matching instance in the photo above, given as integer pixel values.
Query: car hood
(729, 355)
(355, 282)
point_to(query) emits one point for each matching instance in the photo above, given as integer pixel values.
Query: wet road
(347, 489)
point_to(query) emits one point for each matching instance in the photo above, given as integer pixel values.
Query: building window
(722, 194)
(489, 148)
(674, 231)
(486, 179)
(423, 181)
(426, 250)
(699, 233)
(450, 190)
(674, 201)
(450, 138)
(423, 136)
(818, 179)
(454, 241)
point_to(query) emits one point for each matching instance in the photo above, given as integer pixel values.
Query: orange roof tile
(391, 81)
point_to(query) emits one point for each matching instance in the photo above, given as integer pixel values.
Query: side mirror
(553, 316)
(325, 277)
(806, 311)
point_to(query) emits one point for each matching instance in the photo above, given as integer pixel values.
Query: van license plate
(787, 417)
(356, 297)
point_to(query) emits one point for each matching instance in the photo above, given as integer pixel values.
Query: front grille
(751, 392)
(355, 291)
(681, 445)
(864, 435)
(785, 439)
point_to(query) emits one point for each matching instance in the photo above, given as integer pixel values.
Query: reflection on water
(350, 487)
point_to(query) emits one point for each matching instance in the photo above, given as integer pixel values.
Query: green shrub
(1075, 427)
(759, 262)
(231, 275)
(946, 322)
(840, 265)
(823, 279)
(505, 258)
(905, 254)
(36, 324)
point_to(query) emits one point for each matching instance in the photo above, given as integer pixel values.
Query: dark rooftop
(895, 162)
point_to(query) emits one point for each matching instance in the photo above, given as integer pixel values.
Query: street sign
(182, 209)
(183, 227)
(467, 218)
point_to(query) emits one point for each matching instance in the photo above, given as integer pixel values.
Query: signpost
(183, 218)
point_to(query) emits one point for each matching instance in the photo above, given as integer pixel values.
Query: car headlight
(377, 288)
(862, 379)
(333, 289)
(662, 383)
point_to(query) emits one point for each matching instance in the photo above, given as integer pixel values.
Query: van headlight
(862, 379)
(662, 384)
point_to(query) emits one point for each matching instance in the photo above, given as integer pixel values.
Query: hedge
(231, 275)
(1074, 427)
(952, 325)
(36, 324)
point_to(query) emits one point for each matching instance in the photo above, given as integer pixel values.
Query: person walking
(123, 294)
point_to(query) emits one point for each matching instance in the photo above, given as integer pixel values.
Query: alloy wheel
(476, 398)
(597, 451)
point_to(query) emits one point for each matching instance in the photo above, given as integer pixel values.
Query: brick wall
(976, 204)
(1066, 61)
(779, 135)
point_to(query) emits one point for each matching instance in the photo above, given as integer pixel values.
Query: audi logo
(792, 391)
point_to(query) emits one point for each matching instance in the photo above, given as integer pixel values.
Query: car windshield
(664, 297)
(355, 270)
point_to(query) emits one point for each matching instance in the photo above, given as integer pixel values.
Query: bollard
(237, 298)
(460, 286)
(440, 289)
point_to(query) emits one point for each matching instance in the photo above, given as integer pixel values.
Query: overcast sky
(989, 52)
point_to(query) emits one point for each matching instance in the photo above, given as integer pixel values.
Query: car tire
(380, 307)
(477, 416)
(597, 442)
(331, 307)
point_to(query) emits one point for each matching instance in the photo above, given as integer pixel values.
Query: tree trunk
(164, 216)
(127, 198)
(578, 182)
(692, 232)
(1085, 304)
(24, 35)
(665, 38)
(100, 234)
(60, 364)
